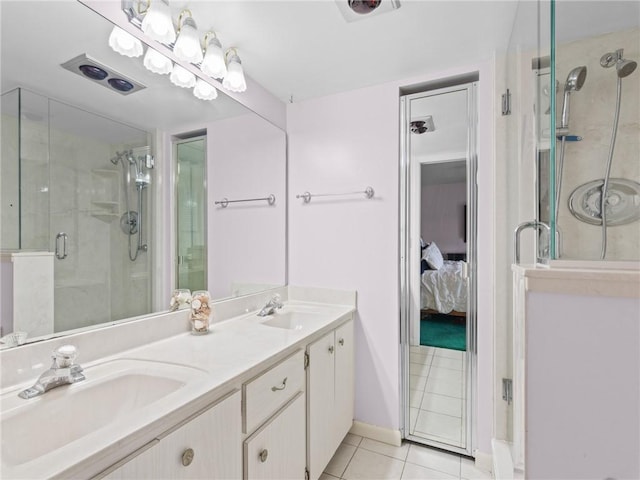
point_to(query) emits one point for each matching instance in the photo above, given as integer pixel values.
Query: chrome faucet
(63, 371)
(271, 306)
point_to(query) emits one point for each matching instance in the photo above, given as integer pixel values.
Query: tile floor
(437, 394)
(360, 458)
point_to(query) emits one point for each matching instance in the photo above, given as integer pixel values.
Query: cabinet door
(320, 414)
(214, 437)
(344, 382)
(277, 450)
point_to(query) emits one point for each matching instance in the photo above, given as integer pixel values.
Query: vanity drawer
(269, 391)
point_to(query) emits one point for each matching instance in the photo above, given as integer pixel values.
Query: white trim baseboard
(381, 434)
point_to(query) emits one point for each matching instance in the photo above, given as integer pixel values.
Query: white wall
(344, 142)
(443, 217)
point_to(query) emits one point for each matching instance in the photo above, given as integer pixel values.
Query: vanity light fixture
(181, 77)
(155, 62)
(234, 80)
(157, 23)
(213, 63)
(204, 90)
(124, 43)
(187, 47)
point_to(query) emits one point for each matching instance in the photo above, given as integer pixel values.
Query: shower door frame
(407, 217)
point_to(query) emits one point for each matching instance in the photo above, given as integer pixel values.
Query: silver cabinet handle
(187, 457)
(341, 342)
(331, 349)
(263, 455)
(284, 384)
(63, 255)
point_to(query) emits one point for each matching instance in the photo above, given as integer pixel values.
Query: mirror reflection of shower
(140, 161)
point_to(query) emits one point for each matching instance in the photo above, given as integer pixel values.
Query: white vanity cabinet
(207, 446)
(330, 395)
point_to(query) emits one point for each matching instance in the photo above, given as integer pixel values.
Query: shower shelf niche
(105, 193)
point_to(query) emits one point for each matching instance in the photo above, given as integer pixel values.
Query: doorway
(438, 264)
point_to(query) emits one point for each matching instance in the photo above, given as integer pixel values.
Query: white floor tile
(340, 460)
(448, 353)
(422, 358)
(351, 439)
(367, 465)
(438, 425)
(444, 362)
(419, 369)
(385, 449)
(415, 398)
(422, 349)
(444, 387)
(469, 471)
(434, 459)
(416, 382)
(442, 404)
(413, 416)
(446, 374)
(416, 472)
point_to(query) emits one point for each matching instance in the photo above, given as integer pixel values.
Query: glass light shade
(157, 23)
(204, 90)
(234, 80)
(124, 43)
(181, 77)
(213, 62)
(155, 62)
(187, 47)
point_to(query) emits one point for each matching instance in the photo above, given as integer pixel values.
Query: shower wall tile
(592, 115)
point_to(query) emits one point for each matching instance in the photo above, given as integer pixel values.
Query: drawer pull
(187, 457)
(263, 455)
(331, 349)
(284, 384)
(341, 342)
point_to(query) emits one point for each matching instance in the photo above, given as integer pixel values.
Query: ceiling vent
(354, 10)
(422, 125)
(87, 67)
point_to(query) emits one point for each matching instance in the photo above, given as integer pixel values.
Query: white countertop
(233, 352)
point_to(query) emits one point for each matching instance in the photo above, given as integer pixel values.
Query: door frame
(408, 190)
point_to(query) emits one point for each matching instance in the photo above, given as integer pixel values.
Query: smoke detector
(422, 125)
(354, 10)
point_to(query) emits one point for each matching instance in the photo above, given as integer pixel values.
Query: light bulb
(213, 62)
(204, 90)
(156, 62)
(124, 43)
(181, 77)
(157, 23)
(187, 47)
(234, 81)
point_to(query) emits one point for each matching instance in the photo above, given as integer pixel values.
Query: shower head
(115, 159)
(625, 67)
(576, 79)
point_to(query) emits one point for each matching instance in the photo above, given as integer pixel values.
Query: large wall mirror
(89, 179)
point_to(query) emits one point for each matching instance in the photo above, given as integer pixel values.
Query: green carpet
(444, 331)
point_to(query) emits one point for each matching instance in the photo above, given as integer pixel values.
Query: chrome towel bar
(306, 196)
(225, 201)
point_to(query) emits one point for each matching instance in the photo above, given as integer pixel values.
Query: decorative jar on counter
(180, 299)
(200, 312)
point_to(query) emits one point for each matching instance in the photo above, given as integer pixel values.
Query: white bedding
(445, 289)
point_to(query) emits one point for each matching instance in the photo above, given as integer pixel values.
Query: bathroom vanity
(258, 397)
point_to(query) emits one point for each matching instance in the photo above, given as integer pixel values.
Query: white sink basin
(112, 391)
(293, 320)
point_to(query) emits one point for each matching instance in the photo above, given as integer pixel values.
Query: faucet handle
(65, 355)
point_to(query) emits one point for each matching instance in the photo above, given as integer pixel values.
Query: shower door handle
(61, 236)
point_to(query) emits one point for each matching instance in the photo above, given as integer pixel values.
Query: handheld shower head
(115, 159)
(625, 67)
(575, 81)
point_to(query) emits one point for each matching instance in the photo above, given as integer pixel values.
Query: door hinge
(306, 474)
(306, 360)
(507, 390)
(506, 103)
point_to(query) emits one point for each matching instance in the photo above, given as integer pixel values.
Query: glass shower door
(191, 214)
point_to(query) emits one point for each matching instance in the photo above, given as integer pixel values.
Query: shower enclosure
(596, 209)
(63, 192)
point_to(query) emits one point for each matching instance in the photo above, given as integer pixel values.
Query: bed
(444, 290)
